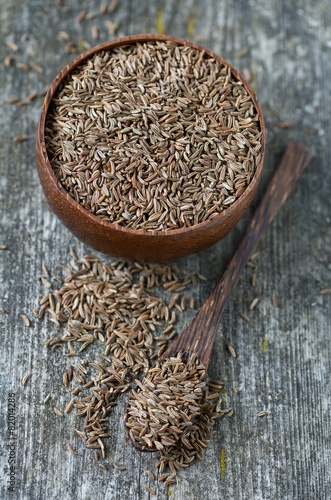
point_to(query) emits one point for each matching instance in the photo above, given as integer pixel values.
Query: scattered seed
(244, 316)
(37, 67)
(309, 131)
(69, 407)
(70, 373)
(80, 16)
(326, 291)
(94, 32)
(26, 320)
(103, 8)
(150, 490)
(262, 413)
(70, 448)
(81, 434)
(12, 45)
(119, 467)
(199, 38)
(112, 6)
(235, 390)
(126, 317)
(242, 53)
(12, 100)
(89, 16)
(46, 282)
(164, 477)
(253, 280)
(47, 398)
(70, 48)
(44, 269)
(201, 277)
(8, 60)
(111, 27)
(35, 313)
(229, 414)
(23, 66)
(151, 475)
(20, 138)
(253, 304)
(254, 255)
(232, 351)
(102, 466)
(273, 299)
(285, 125)
(25, 378)
(63, 35)
(58, 412)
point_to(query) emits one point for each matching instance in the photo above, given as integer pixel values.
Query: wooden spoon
(198, 337)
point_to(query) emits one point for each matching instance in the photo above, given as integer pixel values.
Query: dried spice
(153, 136)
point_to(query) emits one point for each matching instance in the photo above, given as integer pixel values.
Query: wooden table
(282, 353)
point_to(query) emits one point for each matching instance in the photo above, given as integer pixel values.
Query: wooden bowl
(133, 244)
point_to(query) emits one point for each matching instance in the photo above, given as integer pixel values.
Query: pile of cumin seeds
(113, 303)
(96, 385)
(166, 402)
(153, 136)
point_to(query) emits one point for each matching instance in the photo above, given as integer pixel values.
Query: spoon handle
(199, 335)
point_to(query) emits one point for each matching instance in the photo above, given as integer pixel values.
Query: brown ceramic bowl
(118, 241)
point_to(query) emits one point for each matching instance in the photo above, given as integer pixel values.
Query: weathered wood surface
(282, 353)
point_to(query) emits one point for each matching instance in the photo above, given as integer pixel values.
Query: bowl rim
(131, 40)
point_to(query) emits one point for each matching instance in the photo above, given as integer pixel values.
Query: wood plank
(282, 363)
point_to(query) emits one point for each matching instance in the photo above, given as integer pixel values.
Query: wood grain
(282, 363)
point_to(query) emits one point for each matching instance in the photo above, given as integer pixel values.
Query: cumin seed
(70, 448)
(58, 412)
(232, 351)
(262, 413)
(26, 378)
(26, 320)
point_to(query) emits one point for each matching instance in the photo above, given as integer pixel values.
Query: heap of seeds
(105, 301)
(153, 136)
(112, 302)
(166, 402)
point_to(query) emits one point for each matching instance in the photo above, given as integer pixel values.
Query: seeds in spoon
(192, 443)
(166, 402)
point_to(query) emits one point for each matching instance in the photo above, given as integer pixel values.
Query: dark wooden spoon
(199, 335)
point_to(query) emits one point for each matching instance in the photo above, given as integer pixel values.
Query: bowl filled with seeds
(150, 147)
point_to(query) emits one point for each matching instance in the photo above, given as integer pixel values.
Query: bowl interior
(227, 217)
